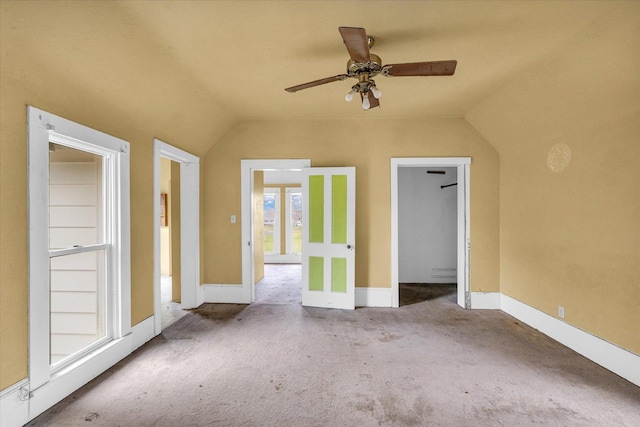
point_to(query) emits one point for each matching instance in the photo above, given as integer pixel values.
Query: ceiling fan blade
(357, 44)
(432, 68)
(373, 101)
(337, 78)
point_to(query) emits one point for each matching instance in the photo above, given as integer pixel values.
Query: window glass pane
(296, 223)
(76, 207)
(78, 303)
(269, 221)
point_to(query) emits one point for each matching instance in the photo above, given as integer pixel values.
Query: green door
(328, 237)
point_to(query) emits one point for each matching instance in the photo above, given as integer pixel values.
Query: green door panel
(339, 275)
(339, 209)
(316, 208)
(316, 273)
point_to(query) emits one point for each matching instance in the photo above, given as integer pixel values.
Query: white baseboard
(485, 300)
(605, 354)
(373, 297)
(226, 294)
(282, 259)
(14, 404)
(142, 333)
(17, 406)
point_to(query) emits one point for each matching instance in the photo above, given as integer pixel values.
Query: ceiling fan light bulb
(365, 102)
(376, 92)
(349, 97)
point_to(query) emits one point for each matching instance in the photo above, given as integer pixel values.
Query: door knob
(349, 247)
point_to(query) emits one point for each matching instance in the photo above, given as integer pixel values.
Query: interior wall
(368, 145)
(258, 226)
(174, 228)
(568, 134)
(56, 58)
(165, 232)
(427, 226)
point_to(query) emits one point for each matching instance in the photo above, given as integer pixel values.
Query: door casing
(191, 291)
(463, 244)
(247, 167)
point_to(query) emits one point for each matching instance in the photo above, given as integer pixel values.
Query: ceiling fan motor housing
(373, 67)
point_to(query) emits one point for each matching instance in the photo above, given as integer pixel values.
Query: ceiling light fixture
(365, 101)
(365, 87)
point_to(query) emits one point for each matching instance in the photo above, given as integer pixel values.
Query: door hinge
(467, 300)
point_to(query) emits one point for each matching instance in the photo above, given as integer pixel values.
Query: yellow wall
(572, 237)
(174, 221)
(60, 59)
(165, 232)
(258, 226)
(368, 145)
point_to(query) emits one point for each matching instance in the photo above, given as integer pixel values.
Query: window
(79, 243)
(272, 221)
(294, 221)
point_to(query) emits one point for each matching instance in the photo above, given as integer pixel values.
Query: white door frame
(463, 244)
(191, 291)
(247, 167)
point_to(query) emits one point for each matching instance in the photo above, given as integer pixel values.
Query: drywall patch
(559, 157)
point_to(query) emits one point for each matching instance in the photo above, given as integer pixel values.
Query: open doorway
(277, 216)
(180, 211)
(415, 267)
(427, 233)
(252, 199)
(170, 284)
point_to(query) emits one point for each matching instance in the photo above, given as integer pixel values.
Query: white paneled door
(328, 237)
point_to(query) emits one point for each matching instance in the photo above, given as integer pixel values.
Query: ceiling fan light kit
(364, 65)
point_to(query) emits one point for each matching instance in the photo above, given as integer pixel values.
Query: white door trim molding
(462, 165)
(191, 291)
(246, 212)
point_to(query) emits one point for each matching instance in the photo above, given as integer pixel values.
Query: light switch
(233, 219)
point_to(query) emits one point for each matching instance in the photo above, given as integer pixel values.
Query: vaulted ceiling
(206, 65)
(246, 52)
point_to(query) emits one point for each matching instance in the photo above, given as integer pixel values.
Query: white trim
(246, 213)
(227, 294)
(373, 297)
(283, 259)
(17, 407)
(142, 333)
(44, 127)
(191, 292)
(463, 245)
(14, 404)
(616, 359)
(485, 300)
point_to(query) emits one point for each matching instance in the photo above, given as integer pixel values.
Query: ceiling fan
(364, 65)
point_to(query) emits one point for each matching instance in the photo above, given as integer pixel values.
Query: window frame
(43, 128)
(277, 248)
(290, 191)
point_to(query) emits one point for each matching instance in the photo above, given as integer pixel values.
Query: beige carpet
(428, 362)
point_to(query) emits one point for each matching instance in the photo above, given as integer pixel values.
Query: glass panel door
(294, 221)
(272, 221)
